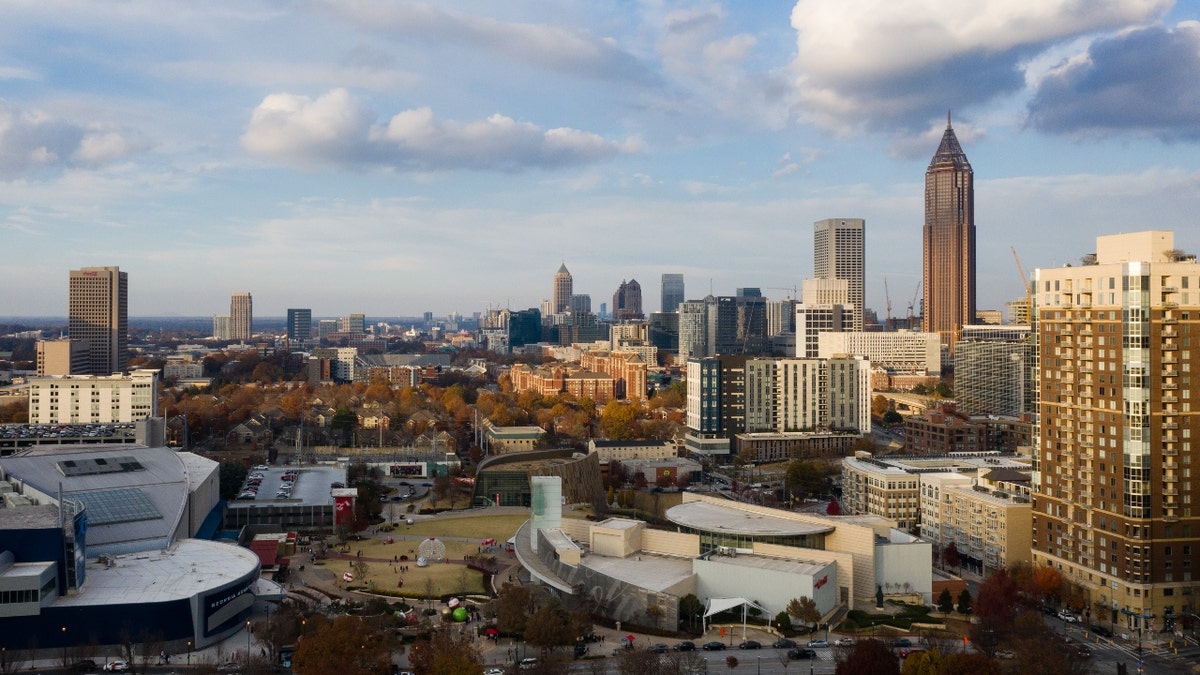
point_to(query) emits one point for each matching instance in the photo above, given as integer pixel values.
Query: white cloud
(336, 128)
(894, 63)
(32, 140)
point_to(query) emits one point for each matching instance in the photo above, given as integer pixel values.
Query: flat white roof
(189, 567)
(711, 517)
(760, 562)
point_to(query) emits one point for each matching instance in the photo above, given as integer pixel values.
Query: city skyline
(442, 157)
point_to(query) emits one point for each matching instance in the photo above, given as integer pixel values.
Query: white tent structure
(718, 605)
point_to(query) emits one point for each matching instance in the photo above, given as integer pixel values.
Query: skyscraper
(241, 316)
(672, 292)
(948, 279)
(1114, 498)
(99, 313)
(563, 288)
(627, 301)
(839, 252)
(299, 325)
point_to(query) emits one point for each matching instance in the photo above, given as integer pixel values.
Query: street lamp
(64, 634)
(189, 656)
(247, 643)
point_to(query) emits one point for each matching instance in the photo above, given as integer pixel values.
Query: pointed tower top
(949, 151)
(562, 269)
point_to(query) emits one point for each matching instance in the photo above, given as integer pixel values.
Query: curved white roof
(712, 517)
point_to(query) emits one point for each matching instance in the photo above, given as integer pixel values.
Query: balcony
(1169, 452)
(1169, 346)
(1170, 385)
(1170, 492)
(1170, 479)
(1170, 399)
(1170, 289)
(1170, 320)
(1172, 518)
(1169, 333)
(1170, 425)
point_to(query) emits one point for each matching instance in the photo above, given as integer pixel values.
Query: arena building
(97, 546)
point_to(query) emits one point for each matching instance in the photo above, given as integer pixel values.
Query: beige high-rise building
(61, 357)
(563, 288)
(241, 316)
(839, 252)
(948, 279)
(1116, 506)
(98, 312)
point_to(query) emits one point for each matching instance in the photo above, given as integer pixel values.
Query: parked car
(118, 666)
(801, 653)
(845, 642)
(818, 643)
(529, 663)
(783, 643)
(908, 651)
(714, 646)
(1084, 652)
(686, 646)
(750, 644)
(1067, 616)
(1101, 630)
(1004, 654)
(659, 648)
(901, 643)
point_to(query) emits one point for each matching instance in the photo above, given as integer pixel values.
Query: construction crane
(794, 289)
(912, 303)
(1025, 283)
(887, 296)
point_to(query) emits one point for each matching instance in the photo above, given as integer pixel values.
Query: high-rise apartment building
(1116, 506)
(839, 252)
(220, 330)
(627, 301)
(948, 279)
(299, 325)
(241, 316)
(824, 307)
(563, 288)
(98, 312)
(672, 292)
(580, 304)
(353, 324)
(992, 374)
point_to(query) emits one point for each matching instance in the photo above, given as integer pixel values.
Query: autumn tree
(549, 627)
(805, 478)
(928, 662)
(969, 663)
(346, 646)
(950, 556)
(619, 420)
(448, 651)
(804, 609)
(869, 657)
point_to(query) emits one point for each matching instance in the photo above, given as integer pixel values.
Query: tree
(869, 657)
(964, 602)
(945, 601)
(619, 420)
(928, 662)
(549, 627)
(804, 610)
(950, 557)
(346, 646)
(361, 570)
(969, 663)
(731, 662)
(449, 651)
(690, 609)
(655, 614)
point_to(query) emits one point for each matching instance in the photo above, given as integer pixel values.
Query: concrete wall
(720, 577)
(671, 543)
(900, 563)
(843, 560)
(616, 599)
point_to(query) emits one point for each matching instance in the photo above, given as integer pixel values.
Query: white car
(118, 666)
(494, 671)
(845, 642)
(1067, 616)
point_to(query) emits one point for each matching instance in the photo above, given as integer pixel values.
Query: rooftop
(715, 517)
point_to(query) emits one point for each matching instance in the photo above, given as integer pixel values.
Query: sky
(393, 157)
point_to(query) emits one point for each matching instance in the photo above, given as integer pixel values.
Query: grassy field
(477, 527)
(446, 577)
